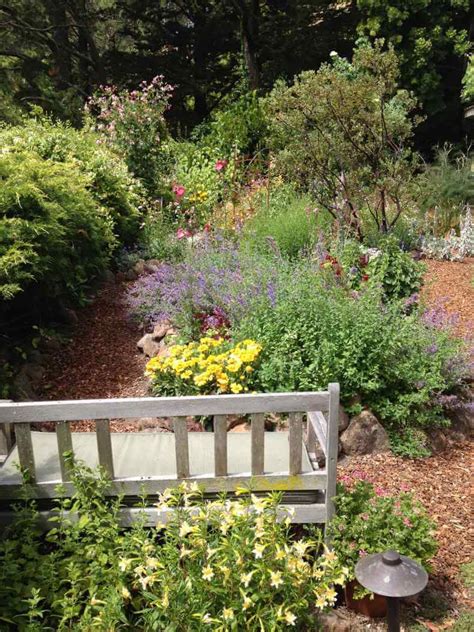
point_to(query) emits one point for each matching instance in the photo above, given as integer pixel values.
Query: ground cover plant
(223, 565)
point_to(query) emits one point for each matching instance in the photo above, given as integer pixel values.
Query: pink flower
(407, 522)
(404, 487)
(179, 190)
(362, 553)
(221, 165)
(364, 516)
(207, 228)
(379, 491)
(183, 232)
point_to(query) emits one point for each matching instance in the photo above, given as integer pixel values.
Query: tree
(431, 40)
(343, 134)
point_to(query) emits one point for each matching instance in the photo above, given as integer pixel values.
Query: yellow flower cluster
(208, 365)
(199, 196)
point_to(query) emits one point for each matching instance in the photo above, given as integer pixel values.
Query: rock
(161, 329)
(336, 620)
(343, 419)
(235, 420)
(120, 277)
(139, 267)
(148, 346)
(364, 435)
(108, 276)
(130, 275)
(35, 373)
(462, 418)
(22, 388)
(243, 426)
(151, 265)
(437, 440)
(51, 345)
(153, 424)
(70, 316)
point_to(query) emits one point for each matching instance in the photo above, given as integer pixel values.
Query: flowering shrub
(133, 121)
(452, 247)
(212, 289)
(368, 520)
(211, 365)
(223, 565)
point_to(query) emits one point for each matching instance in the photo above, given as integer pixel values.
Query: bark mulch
(102, 359)
(451, 284)
(444, 483)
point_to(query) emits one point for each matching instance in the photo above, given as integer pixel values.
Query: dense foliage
(229, 564)
(369, 520)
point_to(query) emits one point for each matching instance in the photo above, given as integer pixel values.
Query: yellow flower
(247, 603)
(185, 529)
(258, 550)
(125, 593)
(207, 573)
(280, 554)
(321, 602)
(152, 562)
(228, 614)
(124, 564)
(276, 579)
(236, 388)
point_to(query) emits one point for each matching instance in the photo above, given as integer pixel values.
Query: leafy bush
(228, 565)
(343, 134)
(210, 366)
(107, 178)
(52, 231)
(443, 191)
(368, 520)
(285, 221)
(319, 333)
(398, 274)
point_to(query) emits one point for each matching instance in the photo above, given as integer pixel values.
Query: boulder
(22, 388)
(139, 267)
(437, 440)
(151, 265)
(130, 275)
(462, 418)
(364, 435)
(161, 328)
(148, 346)
(343, 419)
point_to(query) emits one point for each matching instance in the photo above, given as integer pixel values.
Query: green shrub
(368, 520)
(227, 565)
(285, 221)
(52, 231)
(107, 177)
(318, 332)
(397, 273)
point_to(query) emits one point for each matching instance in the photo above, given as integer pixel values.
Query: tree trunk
(249, 19)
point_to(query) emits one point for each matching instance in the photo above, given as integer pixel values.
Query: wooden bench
(141, 462)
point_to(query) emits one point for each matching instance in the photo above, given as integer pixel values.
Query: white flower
(247, 603)
(333, 53)
(185, 529)
(124, 564)
(246, 579)
(207, 573)
(228, 614)
(258, 550)
(290, 618)
(276, 579)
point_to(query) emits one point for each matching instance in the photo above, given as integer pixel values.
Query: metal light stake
(393, 576)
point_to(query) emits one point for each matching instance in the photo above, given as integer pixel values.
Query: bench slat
(104, 446)
(136, 407)
(258, 443)
(220, 445)
(317, 422)
(63, 435)
(182, 446)
(25, 449)
(296, 443)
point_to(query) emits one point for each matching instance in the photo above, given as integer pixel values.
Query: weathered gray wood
(6, 430)
(332, 445)
(63, 435)
(182, 447)
(308, 481)
(296, 442)
(220, 445)
(137, 407)
(25, 449)
(104, 446)
(318, 423)
(300, 514)
(258, 443)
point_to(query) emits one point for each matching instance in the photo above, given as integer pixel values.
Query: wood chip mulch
(445, 485)
(102, 359)
(451, 284)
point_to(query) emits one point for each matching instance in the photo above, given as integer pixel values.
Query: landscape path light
(393, 576)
